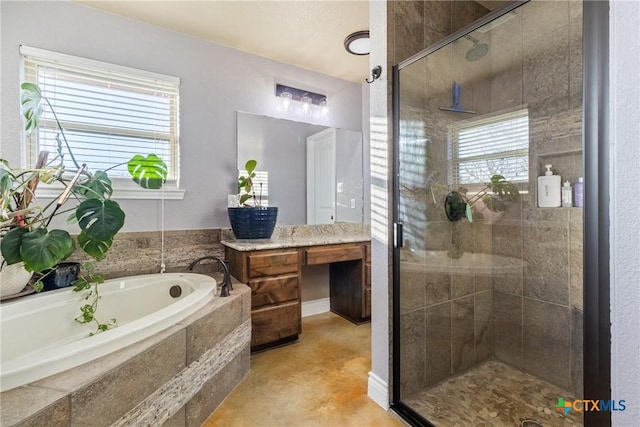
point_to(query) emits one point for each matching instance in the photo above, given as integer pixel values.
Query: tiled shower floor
(493, 395)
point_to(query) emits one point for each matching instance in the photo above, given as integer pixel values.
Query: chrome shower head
(478, 50)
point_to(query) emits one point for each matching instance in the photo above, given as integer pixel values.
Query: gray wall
(215, 83)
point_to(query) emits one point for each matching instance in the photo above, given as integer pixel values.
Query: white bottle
(567, 195)
(579, 193)
(549, 189)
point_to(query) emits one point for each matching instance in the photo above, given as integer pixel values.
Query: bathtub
(40, 337)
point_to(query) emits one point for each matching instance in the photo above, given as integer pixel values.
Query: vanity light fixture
(307, 98)
(358, 43)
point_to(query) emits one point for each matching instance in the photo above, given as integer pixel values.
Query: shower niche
(488, 314)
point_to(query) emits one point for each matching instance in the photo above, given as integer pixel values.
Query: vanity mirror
(329, 190)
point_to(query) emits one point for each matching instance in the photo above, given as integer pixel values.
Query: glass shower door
(488, 307)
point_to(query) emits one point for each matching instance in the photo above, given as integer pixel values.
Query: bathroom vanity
(273, 272)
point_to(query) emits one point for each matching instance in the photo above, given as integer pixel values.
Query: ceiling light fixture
(358, 43)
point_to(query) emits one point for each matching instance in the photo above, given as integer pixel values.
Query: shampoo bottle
(549, 189)
(567, 195)
(578, 193)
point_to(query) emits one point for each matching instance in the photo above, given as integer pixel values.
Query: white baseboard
(316, 306)
(378, 391)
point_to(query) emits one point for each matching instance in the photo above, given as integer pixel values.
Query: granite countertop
(303, 235)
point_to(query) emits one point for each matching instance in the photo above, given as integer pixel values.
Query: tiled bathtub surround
(140, 252)
(179, 376)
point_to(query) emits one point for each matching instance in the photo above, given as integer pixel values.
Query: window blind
(496, 144)
(260, 187)
(108, 112)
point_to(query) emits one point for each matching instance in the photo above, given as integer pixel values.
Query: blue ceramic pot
(253, 223)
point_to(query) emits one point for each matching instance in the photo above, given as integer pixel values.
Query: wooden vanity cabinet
(274, 278)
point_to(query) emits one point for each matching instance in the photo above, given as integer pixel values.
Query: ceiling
(304, 33)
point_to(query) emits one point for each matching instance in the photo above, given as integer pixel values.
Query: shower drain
(531, 423)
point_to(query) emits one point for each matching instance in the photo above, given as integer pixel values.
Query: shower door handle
(398, 239)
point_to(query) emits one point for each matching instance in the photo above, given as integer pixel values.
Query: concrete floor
(319, 381)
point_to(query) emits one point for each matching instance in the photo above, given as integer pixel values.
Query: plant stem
(55, 116)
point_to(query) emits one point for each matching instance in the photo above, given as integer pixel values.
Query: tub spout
(226, 282)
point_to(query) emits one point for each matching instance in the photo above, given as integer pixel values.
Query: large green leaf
(96, 248)
(97, 187)
(148, 172)
(31, 100)
(100, 219)
(40, 249)
(250, 166)
(10, 245)
(494, 203)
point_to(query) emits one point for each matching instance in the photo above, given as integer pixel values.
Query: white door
(321, 177)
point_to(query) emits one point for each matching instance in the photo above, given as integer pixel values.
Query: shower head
(477, 51)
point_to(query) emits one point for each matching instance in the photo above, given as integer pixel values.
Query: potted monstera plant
(496, 195)
(30, 243)
(250, 220)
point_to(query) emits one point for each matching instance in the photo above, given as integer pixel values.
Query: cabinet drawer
(272, 264)
(274, 290)
(274, 323)
(329, 254)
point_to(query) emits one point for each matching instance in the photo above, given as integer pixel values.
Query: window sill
(125, 190)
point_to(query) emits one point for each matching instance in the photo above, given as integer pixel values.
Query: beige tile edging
(166, 401)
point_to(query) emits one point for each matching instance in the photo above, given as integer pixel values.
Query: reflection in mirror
(280, 146)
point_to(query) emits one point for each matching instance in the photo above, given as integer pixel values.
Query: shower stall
(488, 286)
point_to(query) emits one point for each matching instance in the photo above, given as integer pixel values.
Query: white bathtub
(40, 336)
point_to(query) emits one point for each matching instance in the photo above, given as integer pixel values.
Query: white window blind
(482, 147)
(109, 113)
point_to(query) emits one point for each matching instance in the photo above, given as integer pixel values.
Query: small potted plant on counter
(29, 243)
(250, 220)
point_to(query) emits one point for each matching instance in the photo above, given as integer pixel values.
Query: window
(484, 146)
(109, 113)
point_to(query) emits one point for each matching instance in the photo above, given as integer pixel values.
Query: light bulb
(306, 102)
(286, 98)
(323, 105)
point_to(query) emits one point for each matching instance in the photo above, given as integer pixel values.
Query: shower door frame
(595, 148)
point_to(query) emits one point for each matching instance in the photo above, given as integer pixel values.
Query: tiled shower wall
(440, 309)
(531, 319)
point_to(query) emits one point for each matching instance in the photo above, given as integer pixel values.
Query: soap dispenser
(549, 195)
(567, 195)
